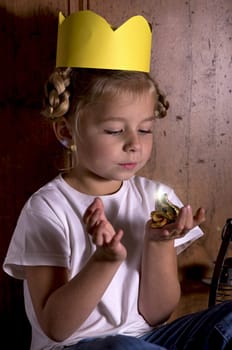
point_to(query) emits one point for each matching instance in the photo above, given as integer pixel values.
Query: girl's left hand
(104, 236)
(184, 222)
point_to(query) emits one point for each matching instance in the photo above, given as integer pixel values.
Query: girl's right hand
(108, 242)
(184, 222)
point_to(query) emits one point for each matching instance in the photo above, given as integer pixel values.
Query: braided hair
(69, 90)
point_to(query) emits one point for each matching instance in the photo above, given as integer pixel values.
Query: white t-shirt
(50, 231)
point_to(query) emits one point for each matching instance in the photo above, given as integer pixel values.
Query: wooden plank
(210, 130)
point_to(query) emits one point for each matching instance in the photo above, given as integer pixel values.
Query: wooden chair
(221, 285)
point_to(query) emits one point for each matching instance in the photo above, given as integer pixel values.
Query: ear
(61, 128)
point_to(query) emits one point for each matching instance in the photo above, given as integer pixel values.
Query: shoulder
(148, 185)
(46, 204)
(55, 202)
(48, 197)
(50, 191)
(148, 189)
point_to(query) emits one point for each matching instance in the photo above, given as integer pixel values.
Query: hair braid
(56, 89)
(68, 90)
(162, 104)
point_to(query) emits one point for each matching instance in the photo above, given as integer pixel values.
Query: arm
(159, 285)
(62, 305)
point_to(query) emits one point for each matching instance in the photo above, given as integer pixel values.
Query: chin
(124, 177)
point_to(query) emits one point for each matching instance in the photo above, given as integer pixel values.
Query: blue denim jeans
(210, 329)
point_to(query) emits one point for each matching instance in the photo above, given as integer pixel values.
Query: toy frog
(165, 212)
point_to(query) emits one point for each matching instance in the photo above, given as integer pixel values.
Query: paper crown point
(87, 40)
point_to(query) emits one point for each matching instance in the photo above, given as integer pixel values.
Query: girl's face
(115, 138)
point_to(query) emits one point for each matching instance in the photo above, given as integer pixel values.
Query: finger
(100, 206)
(94, 218)
(117, 237)
(183, 223)
(98, 239)
(92, 221)
(99, 234)
(182, 218)
(102, 233)
(99, 203)
(188, 219)
(199, 217)
(96, 204)
(89, 211)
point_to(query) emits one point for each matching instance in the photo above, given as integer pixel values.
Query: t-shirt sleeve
(34, 235)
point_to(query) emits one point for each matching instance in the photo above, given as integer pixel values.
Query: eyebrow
(120, 119)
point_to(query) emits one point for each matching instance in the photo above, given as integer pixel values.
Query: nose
(132, 142)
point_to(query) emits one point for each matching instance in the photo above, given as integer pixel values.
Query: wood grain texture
(191, 60)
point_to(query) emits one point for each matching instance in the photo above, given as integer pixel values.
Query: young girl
(96, 274)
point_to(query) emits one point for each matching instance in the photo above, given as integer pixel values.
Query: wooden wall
(191, 60)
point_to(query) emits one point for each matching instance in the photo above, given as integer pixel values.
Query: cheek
(151, 144)
(95, 149)
(148, 145)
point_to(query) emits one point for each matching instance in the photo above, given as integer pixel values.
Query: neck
(94, 186)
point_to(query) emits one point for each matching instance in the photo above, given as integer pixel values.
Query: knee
(119, 342)
(225, 306)
(124, 342)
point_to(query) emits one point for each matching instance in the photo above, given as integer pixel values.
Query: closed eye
(113, 132)
(144, 131)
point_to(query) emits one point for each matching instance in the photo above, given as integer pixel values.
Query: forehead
(114, 97)
(125, 105)
(134, 88)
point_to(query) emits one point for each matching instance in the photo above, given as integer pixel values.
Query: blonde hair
(69, 90)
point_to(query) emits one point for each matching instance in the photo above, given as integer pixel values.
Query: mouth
(128, 166)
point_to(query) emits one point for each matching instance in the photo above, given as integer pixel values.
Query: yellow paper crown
(87, 40)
